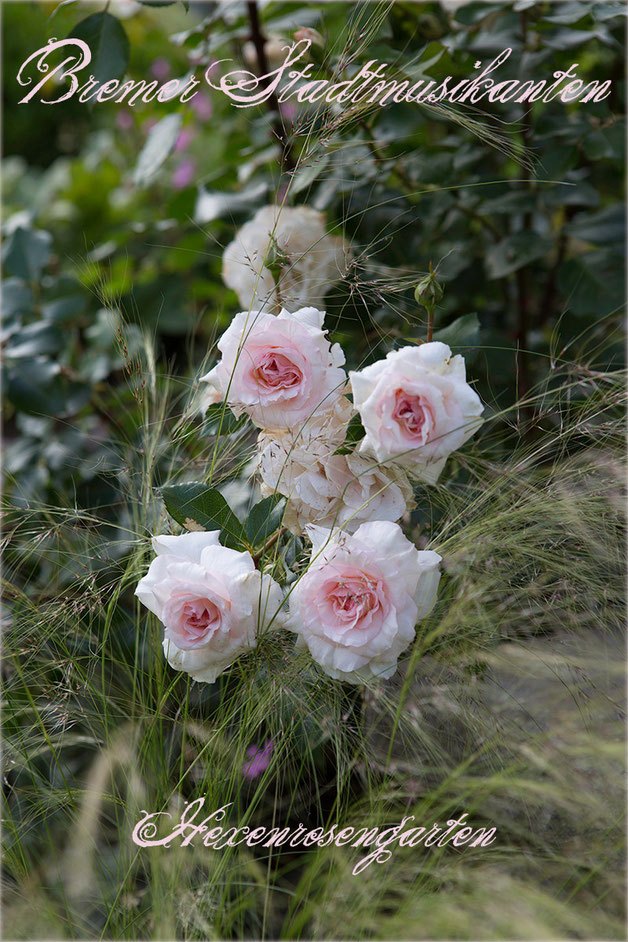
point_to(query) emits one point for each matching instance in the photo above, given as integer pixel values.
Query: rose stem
(259, 40)
(267, 545)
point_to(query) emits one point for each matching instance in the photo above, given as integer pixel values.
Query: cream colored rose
(416, 407)
(212, 601)
(309, 260)
(357, 605)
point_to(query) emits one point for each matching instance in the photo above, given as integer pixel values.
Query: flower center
(276, 371)
(412, 414)
(352, 600)
(197, 618)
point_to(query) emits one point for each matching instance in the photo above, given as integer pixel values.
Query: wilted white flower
(357, 605)
(295, 242)
(416, 407)
(211, 600)
(329, 489)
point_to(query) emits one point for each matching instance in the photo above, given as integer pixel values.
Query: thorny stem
(259, 41)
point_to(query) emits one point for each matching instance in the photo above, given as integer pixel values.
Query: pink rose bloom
(279, 369)
(416, 407)
(258, 759)
(211, 600)
(357, 604)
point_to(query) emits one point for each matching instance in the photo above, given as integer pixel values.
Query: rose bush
(357, 605)
(416, 407)
(212, 601)
(280, 369)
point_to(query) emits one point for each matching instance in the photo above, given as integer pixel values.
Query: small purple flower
(124, 120)
(186, 136)
(202, 106)
(160, 68)
(184, 174)
(258, 759)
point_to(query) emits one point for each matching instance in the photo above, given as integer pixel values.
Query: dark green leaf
(568, 13)
(264, 518)
(108, 43)
(596, 146)
(593, 283)
(17, 297)
(27, 252)
(463, 332)
(159, 143)
(355, 433)
(219, 417)
(35, 340)
(603, 228)
(514, 252)
(197, 503)
(516, 201)
(64, 310)
(39, 387)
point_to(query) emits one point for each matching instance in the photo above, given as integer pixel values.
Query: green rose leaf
(108, 44)
(355, 433)
(219, 417)
(514, 252)
(35, 340)
(64, 310)
(27, 252)
(602, 228)
(40, 387)
(195, 505)
(264, 518)
(17, 297)
(463, 332)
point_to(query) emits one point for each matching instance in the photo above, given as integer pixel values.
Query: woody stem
(267, 545)
(259, 41)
